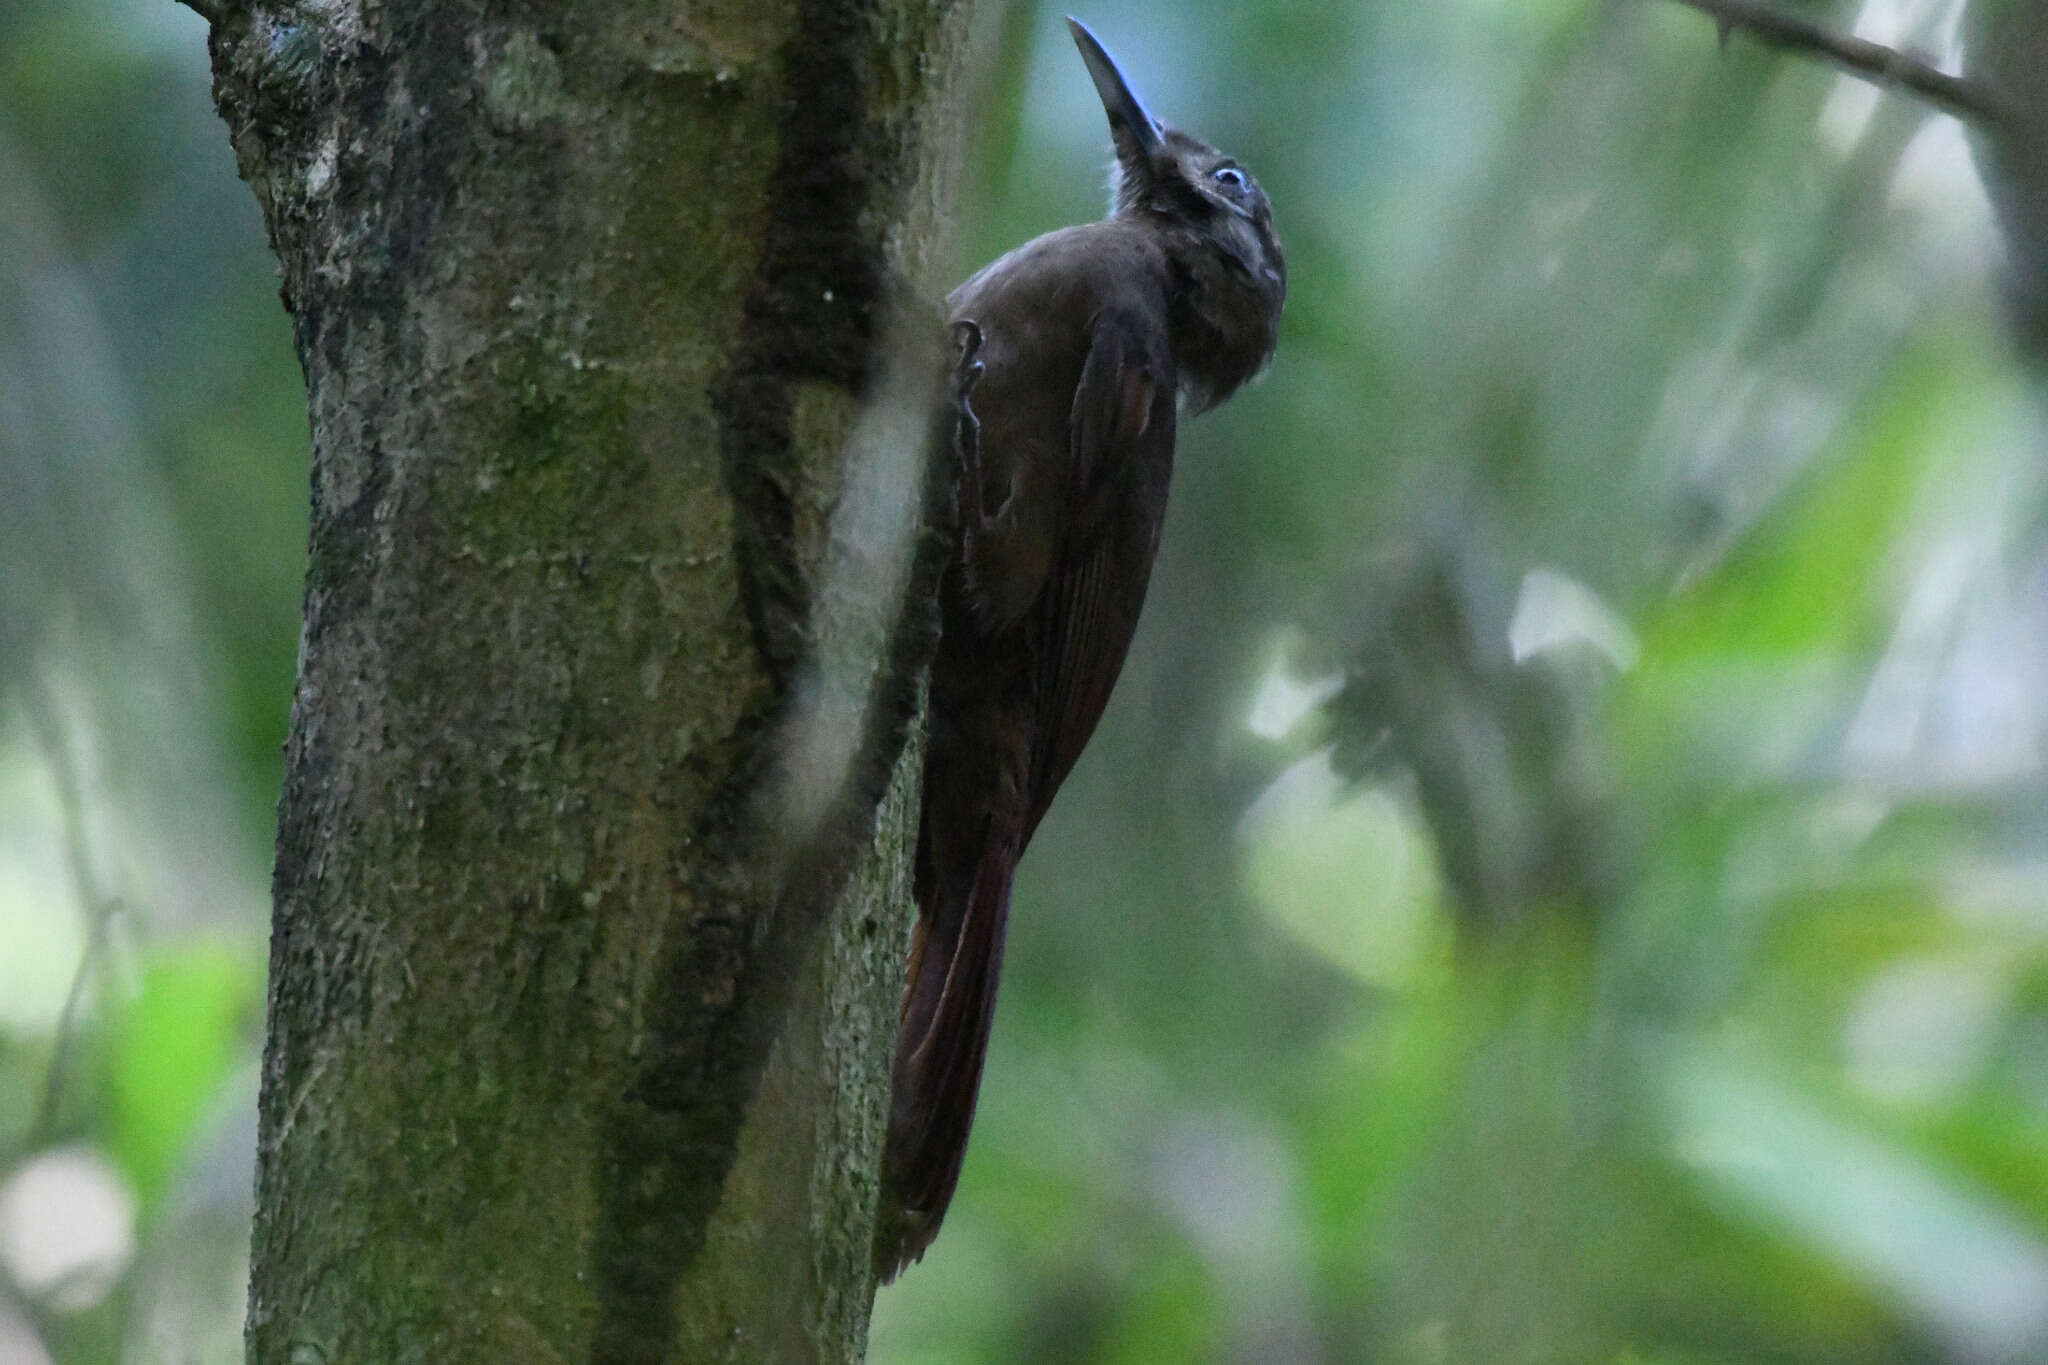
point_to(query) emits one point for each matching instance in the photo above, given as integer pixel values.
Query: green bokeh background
(1564, 877)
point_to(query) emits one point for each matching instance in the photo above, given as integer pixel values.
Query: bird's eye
(1231, 179)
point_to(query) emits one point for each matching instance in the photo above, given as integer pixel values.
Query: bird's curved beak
(1129, 124)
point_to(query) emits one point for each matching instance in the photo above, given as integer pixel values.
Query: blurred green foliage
(152, 519)
(1627, 952)
(1564, 877)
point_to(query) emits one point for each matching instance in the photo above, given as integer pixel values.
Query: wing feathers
(1121, 436)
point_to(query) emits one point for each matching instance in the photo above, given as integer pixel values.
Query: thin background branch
(100, 908)
(1966, 99)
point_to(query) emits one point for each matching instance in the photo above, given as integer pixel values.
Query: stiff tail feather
(941, 1042)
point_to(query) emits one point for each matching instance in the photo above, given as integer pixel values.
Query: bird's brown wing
(1121, 432)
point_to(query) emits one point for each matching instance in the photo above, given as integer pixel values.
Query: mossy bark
(570, 1055)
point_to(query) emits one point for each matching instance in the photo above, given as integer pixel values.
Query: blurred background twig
(1874, 61)
(100, 909)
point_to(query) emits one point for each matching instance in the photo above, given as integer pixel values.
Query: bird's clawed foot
(967, 372)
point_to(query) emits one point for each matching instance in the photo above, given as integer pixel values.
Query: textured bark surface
(573, 1054)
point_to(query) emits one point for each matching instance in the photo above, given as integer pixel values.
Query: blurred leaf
(171, 1047)
(1349, 875)
(1901, 1224)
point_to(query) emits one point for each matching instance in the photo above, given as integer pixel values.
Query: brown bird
(1077, 349)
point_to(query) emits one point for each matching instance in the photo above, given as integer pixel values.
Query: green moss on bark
(553, 1071)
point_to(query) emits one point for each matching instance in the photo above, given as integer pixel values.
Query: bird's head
(1216, 226)
(1163, 174)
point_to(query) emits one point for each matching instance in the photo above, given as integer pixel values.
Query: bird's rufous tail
(955, 960)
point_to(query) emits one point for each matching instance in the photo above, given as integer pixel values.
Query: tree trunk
(584, 967)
